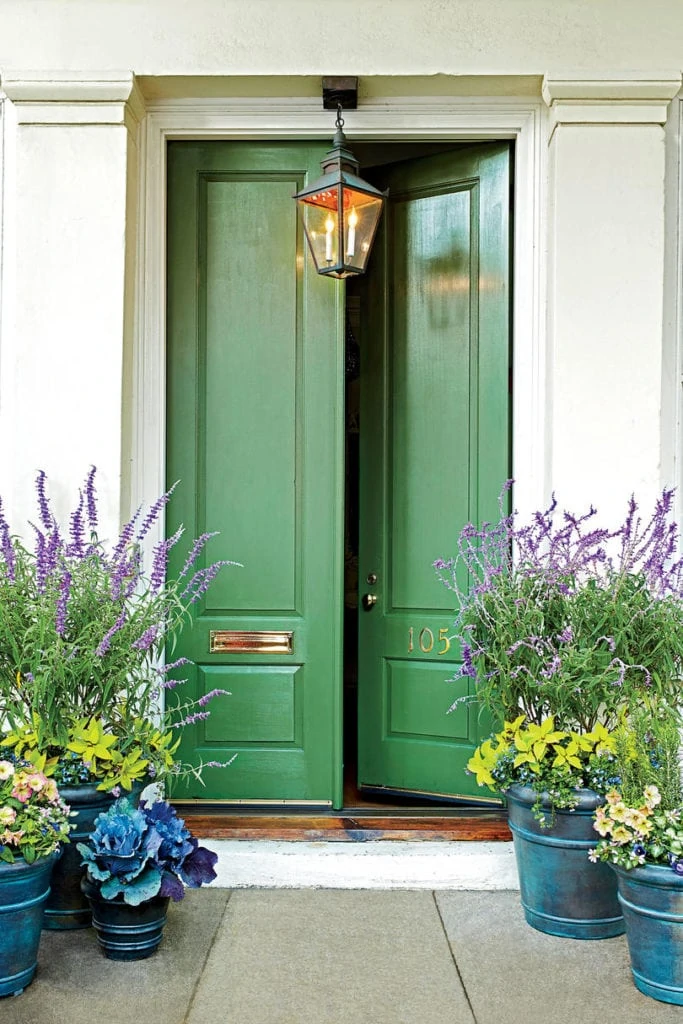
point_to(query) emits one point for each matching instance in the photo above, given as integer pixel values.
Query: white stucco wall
(69, 216)
(365, 37)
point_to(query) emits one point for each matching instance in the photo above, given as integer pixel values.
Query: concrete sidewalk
(310, 956)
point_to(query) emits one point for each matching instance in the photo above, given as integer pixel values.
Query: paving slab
(515, 974)
(330, 957)
(76, 984)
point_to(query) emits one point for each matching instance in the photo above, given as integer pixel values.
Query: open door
(255, 436)
(435, 411)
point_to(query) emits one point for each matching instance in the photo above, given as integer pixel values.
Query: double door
(255, 434)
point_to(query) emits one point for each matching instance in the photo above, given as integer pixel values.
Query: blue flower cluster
(139, 853)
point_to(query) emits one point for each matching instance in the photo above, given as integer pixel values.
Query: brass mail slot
(237, 641)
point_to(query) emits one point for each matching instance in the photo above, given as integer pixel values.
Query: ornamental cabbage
(136, 854)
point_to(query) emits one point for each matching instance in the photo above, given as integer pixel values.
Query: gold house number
(425, 640)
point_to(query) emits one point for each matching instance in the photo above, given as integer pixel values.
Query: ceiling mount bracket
(340, 91)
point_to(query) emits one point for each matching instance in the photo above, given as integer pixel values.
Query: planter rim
(21, 865)
(650, 874)
(587, 799)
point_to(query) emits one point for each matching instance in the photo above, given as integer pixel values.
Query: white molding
(61, 98)
(636, 98)
(390, 119)
(672, 363)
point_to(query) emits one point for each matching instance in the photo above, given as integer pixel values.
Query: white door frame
(433, 118)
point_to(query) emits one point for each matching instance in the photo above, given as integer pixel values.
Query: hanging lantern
(340, 212)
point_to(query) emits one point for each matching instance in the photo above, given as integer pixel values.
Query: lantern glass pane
(360, 218)
(321, 223)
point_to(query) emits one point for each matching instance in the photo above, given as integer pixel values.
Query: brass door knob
(369, 600)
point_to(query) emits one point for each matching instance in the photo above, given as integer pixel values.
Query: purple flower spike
(46, 517)
(196, 548)
(154, 513)
(144, 642)
(91, 500)
(77, 530)
(207, 697)
(105, 642)
(62, 602)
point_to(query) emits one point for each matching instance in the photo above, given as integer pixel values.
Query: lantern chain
(339, 123)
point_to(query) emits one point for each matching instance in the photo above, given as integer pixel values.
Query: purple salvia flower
(207, 697)
(196, 548)
(609, 640)
(105, 642)
(566, 636)
(144, 642)
(91, 500)
(8, 552)
(154, 513)
(77, 530)
(126, 536)
(161, 550)
(46, 516)
(174, 664)
(554, 667)
(62, 602)
(196, 716)
(42, 560)
(170, 684)
(202, 580)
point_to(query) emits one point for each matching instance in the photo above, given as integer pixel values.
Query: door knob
(369, 600)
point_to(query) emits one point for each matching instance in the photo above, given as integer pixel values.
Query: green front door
(434, 452)
(255, 436)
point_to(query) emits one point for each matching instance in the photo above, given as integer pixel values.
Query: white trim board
(435, 118)
(246, 864)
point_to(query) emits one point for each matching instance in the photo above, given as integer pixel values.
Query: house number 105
(425, 640)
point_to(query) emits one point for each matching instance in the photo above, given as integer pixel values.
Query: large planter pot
(125, 932)
(24, 889)
(562, 892)
(651, 899)
(67, 907)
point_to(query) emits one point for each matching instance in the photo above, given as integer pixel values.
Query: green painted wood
(434, 451)
(255, 366)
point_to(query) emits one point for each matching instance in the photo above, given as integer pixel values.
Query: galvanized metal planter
(562, 892)
(67, 907)
(651, 899)
(125, 932)
(24, 889)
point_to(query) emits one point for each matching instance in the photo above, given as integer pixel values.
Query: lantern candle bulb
(351, 240)
(329, 228)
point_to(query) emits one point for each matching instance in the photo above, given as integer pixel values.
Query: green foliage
(84, 628)
(648, 754)
(554, 763)
(588, 653)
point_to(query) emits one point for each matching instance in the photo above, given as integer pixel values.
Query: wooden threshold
(464, 825)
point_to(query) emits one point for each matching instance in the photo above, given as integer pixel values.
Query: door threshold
(461, 824)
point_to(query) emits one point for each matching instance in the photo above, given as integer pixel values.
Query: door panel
(255, 372)
(434, 452)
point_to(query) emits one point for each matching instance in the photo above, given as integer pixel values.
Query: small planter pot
(562, 892)
(125, 932)
(67, 907)
(24, 889)
(651, 899)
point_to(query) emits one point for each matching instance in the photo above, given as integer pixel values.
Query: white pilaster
(606, 285)
(68, 272)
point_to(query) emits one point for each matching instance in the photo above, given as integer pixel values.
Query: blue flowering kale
(136, 854)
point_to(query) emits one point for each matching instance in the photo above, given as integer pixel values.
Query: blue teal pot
(651, 899)
(125, 932)
(24, 890)
(67, 907)
(562, 892)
